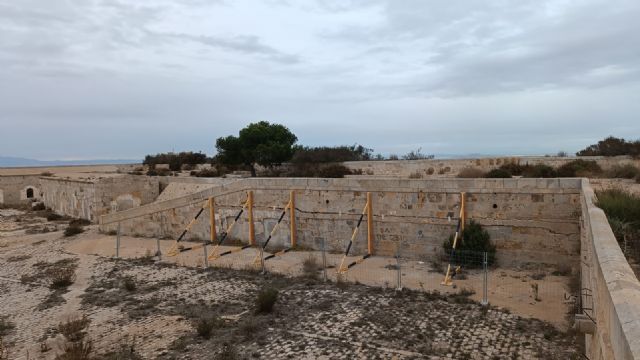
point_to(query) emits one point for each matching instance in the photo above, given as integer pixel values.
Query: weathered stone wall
(611, 291)
(529, 220)
(451, 167)
(90, 199)
(13, 189)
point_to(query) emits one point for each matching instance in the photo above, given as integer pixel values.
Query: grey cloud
(247, 44)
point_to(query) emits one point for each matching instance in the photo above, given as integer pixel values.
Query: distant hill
(6, 161)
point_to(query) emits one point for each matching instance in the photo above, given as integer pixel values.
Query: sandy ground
(59, 170)
(508, 288)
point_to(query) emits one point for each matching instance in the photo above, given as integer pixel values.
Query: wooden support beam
(292, 218)
(370, 235)
(252, 233)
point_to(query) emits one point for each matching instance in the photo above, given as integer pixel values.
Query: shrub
(207, 173)
(620, 205)
(469, 173)
(497, 174)
(228, 352)
(38, 207)
(579, 168)
(129, 284)
(73, 328)
(73, 230)
(539, 171)
(266, 299)
(61, 276)
(513, 169)
(206, 324)
(626, 171)
(53, 217)
(416, 155)
(473, 241)
(325, 154)
(6, 326)
(79, 222)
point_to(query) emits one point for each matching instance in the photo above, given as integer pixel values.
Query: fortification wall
(611, 291)
(530, 220)
(14, 190)
(89, 199)
(439, 168)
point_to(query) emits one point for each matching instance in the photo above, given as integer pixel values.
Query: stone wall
(14, 190)
(530, 220)
(89, 199)
(437, 168)
(611, 291)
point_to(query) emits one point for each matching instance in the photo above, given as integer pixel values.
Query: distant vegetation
(612, 146)
(623, 212)
(176, 160)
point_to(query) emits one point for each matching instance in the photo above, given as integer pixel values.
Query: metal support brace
(343, 269)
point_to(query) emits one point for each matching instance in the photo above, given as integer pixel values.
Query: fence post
(118, 242)
(292, 219)
(324, 260)
(399, 287)
(485, 300)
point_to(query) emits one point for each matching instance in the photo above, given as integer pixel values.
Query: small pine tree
(474, 241)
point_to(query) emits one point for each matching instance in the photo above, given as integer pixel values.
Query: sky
(85, 79)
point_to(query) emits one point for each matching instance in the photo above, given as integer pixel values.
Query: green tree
(262, 143)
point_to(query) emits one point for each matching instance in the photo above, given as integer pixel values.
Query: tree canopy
(262, 143)
(612, 146)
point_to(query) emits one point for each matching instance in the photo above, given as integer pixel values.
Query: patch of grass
(266, 299)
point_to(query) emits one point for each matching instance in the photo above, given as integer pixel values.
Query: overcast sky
(120, 79)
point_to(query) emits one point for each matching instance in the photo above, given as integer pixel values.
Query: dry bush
(228, 352)
(626, 171)
(310, 267)
(266, 299)
(79, 350)
(206, 324)
(73, 328)
(415, 175)
(76, 347)
(126, 350)
(471, 173)
(61, 276)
